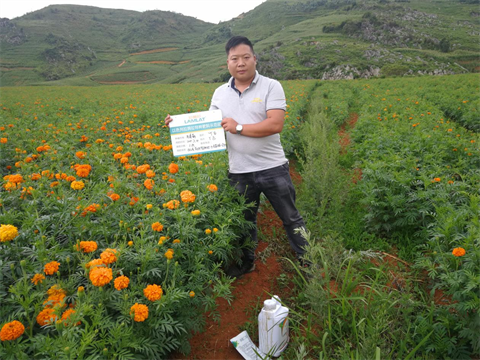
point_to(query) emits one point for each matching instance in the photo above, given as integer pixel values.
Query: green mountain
(294, 39)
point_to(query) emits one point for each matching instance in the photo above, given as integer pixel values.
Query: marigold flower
(195, 212)
(82, 170)
(437, 179)
(109, 256)
(210, 252)
(51, 268)
(130, 243)
(37, 278)
(150, 173)
(46, 316)
(100, 276)
(77, 185)
(80, 154)
(458, 252)
(153, 292)
(142, 169)
(169, 254)
(140, 312)
(212, 188)
(94, 263)
(187, 196)
(191, 294)
(12, 330)
(88, 246)
(156, 226)
(149, 206)
(208, 231)
(176, 241)
(215, 230)
(8, 232)
(173, 168)
(35, 176)
(3, 140)
(81, 289)
(66, 316)
(172, 204)
(114, 197)
(55, 300)
(121, 282)
(148, 183)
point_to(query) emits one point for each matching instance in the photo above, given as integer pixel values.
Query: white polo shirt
(249, 154)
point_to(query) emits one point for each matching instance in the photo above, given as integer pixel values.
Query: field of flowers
(110, 247)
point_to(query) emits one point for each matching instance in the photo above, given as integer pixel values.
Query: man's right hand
(168, 120)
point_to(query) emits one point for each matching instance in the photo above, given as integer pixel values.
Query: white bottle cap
(269, 305)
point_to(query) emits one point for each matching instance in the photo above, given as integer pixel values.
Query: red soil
(249, 292)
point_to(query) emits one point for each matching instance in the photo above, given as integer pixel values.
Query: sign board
(197, 133)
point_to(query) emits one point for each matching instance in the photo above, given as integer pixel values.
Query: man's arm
(273, 124)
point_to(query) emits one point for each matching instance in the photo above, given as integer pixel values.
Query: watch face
(239, 128)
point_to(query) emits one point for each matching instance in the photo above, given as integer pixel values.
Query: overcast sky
(212, 11)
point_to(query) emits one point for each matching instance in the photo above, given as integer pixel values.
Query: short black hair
(237, 40)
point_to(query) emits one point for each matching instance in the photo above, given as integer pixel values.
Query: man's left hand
(229, 125)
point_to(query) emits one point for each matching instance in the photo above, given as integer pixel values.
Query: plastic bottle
(273, 327)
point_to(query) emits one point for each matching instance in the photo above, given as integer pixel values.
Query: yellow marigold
(459, 251)
(139, 311)
(100, 276)
(212, 187)
(176, 241)
(121, 282)
(208, 231)
(187, 196)
(46, 316)
(192, 294)
(8, 232)
(153, 292)
(55, 290)
(77, 185)
(156, 226)
(148, 206)
(215, 230)
(94, 263)
(88, 246)
(130, 243)
(12, 330)
(173, 168)
(37, 278)
(169, 254)
(51, 268)
(109, 256)
(195, 212)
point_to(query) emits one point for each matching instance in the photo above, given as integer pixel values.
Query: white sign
(197, 133)
(247, 348)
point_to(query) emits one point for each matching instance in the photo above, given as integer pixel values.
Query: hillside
(294, 39)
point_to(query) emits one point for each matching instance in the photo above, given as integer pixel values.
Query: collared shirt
(249, 154)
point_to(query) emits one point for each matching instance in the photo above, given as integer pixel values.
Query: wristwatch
(239, 129)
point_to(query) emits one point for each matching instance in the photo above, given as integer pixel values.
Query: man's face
(242, 63)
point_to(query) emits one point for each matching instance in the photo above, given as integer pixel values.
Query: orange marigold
(140, 312)
(37, 278)
(212, 187)
(172, 204)
(459, 251)
(88, 246)
(148, 183)
(142, 169)
(169, 254)
(173, 168)
(156, 226)
(121, 282)
(66, 316)
(153, 292)
(195, 212)
(100, 276)
(94, 263)
(114, 197)
(187, 196)
(109, 256)
(46, 316)
(12, 330)
(51, 268)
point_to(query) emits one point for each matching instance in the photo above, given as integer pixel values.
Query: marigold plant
(156, 226)
(46, 316)
(121, 282)
(51, 267)
(12, 331)
(8, 232)
(37, 278)
(458, 252)
(88, 246)
(153, 292)
(109, 256)
(100, 276)
(140, 312)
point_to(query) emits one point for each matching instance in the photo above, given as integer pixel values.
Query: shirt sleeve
(276, 97)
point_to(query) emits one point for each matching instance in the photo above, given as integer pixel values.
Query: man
(253, 109)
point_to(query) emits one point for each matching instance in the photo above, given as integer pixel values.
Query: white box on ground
(197, 133)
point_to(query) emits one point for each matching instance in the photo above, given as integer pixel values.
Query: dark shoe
(235, 271)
